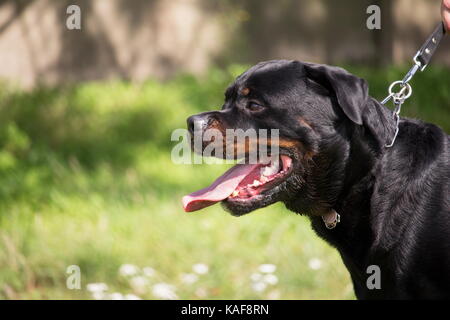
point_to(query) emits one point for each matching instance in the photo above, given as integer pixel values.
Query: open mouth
(243, 182)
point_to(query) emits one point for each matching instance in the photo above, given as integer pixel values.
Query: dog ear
(351, 92)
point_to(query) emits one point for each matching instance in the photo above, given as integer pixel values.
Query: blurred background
(86, 116)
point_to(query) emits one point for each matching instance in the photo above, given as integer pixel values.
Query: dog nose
(196, 123)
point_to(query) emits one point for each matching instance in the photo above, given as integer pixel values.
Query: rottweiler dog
(381, 208)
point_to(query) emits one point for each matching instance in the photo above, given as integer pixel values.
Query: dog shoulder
(411, 180)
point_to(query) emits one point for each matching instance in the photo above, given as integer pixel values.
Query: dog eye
(254, 106)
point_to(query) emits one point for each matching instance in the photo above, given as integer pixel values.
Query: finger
(445, 12)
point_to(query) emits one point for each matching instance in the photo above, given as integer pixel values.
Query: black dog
(393, 202)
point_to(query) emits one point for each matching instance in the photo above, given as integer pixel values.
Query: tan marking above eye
(245, 91)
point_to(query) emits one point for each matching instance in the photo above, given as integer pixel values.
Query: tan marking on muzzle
(216, 124)
(251, 145)
(294, 144)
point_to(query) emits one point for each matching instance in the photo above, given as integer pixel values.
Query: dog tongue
(221, 189)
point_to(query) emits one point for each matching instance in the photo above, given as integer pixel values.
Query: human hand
(445, 13)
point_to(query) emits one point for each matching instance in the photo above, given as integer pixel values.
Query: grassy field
(86, 179)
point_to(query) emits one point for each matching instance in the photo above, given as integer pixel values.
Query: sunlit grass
(105, 221)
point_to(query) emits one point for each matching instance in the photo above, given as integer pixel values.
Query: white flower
(128, 270)
(207, 224)
(164, 291)
(99, 295)
(201, 292)
(315, 264)
(267, 268)
(270, 279)
(97, 287)
(256, 276)
(189, 278)
(116, 296)
(139, 282)
(148, 271)
(200, 268)
(273, 295)
(131, 296)
(259, 286)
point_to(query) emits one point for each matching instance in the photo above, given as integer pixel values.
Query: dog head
(316, 109)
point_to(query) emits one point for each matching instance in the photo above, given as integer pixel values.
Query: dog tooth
(235, 193)
(272, 169)
(256, 183)
(276, 164)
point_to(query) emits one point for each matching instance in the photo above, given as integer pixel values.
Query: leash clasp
(421, 60)
(398, 98)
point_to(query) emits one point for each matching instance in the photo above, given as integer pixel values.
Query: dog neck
(353, 236)
(350, 154)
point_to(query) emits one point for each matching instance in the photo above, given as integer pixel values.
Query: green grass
(86, 179)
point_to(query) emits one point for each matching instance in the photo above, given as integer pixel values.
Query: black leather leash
(429, 47)
(423, 56)
(421, 60)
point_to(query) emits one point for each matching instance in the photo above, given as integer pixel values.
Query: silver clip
(399, 98)
(417, 62)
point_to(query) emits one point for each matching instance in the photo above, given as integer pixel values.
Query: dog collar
(331, 219)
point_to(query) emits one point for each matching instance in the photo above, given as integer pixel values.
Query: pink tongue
(221, 189)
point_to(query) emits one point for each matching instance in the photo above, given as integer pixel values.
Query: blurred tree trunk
(384, 38)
